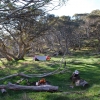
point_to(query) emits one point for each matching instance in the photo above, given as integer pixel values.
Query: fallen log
(34, 88)
(30, 75)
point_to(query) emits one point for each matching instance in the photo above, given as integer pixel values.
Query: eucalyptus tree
(94, 18)
(20, 23)
(84, 22)
(24, 8)
(82, 32)
(46, 41)
(66, 28)
(22, 34)
(63, 33)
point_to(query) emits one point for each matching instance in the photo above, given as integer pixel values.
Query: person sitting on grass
(77, 81)
(75, 77)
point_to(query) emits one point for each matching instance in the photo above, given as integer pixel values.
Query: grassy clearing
(89, 67)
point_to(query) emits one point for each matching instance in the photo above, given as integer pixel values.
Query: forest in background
(27, 29)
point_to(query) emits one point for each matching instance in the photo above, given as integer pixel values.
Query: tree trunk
(34, 88)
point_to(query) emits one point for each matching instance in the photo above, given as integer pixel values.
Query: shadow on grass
(47, 96)
(71, 96)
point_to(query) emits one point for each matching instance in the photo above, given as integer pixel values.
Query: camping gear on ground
(81, 82)
(42, 82)
(41, 58)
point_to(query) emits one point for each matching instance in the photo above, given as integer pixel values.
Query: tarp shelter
(41, 58)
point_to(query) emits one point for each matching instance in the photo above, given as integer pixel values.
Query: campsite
(48, 57)
(88, 67)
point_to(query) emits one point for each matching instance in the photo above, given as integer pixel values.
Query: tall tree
(94, 17)
(20, 22)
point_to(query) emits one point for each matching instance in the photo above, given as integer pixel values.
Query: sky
(76, 7)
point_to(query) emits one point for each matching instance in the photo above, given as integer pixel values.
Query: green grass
(89, 67)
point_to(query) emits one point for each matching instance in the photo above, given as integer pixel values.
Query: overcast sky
(77, 6)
